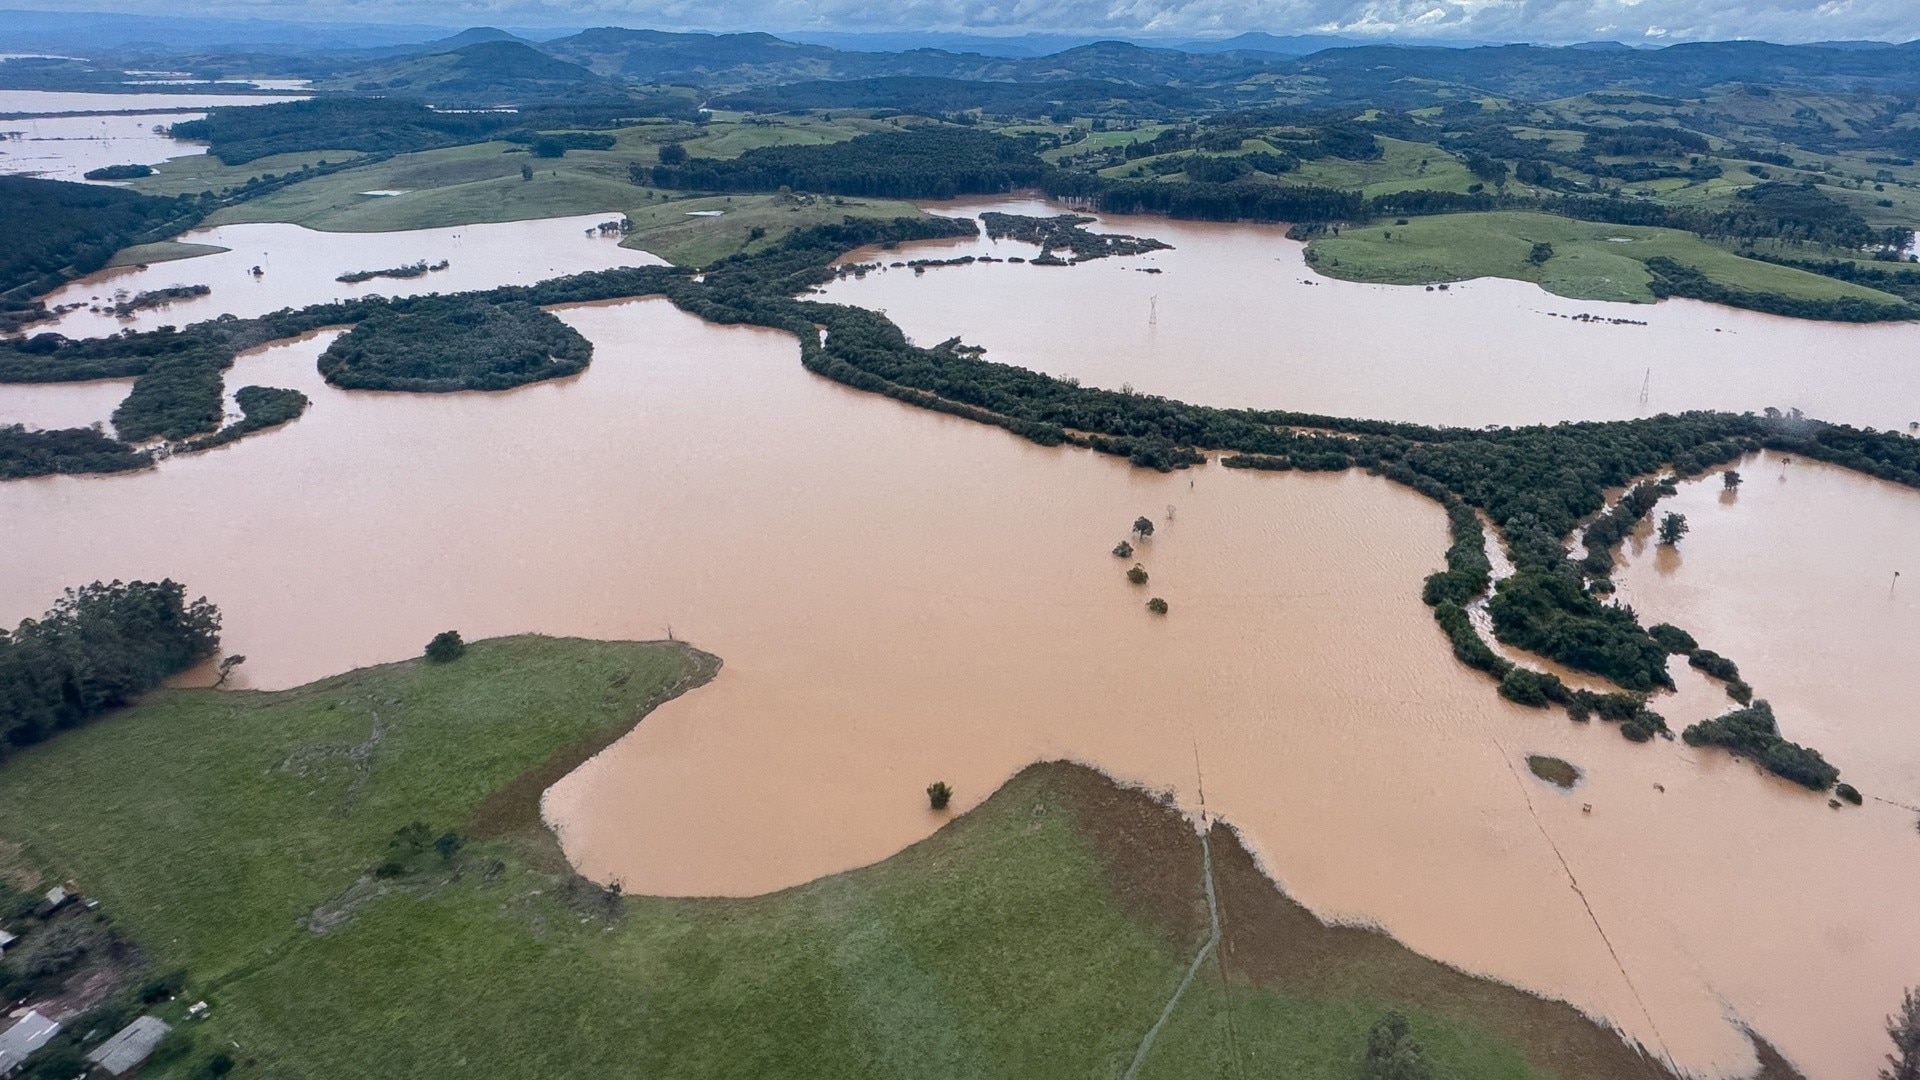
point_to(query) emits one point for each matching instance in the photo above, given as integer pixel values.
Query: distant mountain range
(485, 65)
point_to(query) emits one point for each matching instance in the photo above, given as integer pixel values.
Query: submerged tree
(1672, 528)
(1137, 575)
(1143, 527)
(1157, 606)
(1730, 479)
(1123, 550)
(939, 794)
(1904, 1029)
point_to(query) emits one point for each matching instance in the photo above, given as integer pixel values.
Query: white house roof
(22, 1039)
(130, 1045)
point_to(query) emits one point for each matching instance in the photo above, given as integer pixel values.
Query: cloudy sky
(1515, 20)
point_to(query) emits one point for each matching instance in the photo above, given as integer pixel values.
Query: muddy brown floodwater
(901, 597)
(1237, 319)
(1792, 576)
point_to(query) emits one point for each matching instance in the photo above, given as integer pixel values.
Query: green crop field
(678, 231)
(247, 836)
(1590, 261)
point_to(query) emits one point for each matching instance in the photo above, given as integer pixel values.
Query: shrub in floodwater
(1123, 550)
(1672, 528)
(1143, 527)
(1137, 575)
(1535, 689)
(1730, 479)
(1157, 606)
(1672, 638)
(939, 794)
(1848, 792)
(1644, 726)
(446, 647)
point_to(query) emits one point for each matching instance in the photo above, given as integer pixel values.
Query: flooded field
(67, 147)
(902, 597)
(51, 102)
(299, 266)
(1235, 318)
(1792, 575)
(304, 272)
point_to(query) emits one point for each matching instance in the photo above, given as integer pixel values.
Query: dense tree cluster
(1672, 278)
(453, 343)
(370, 125)
(389, 125)
(918, 163)
(100, 646)
(261, 407)
(119, 172)
(56, 231)
(1211, 202)
(1752, 731)
(26, 453)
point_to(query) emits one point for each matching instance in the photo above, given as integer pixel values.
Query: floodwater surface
(299, 266)
(1236, 319)
(901, 597)
(1792, 576)
(52, 102)
(67, 147)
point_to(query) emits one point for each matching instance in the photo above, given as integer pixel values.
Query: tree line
(99, 647)
(929, 162)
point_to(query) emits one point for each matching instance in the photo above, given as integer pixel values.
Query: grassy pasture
(1591, 261)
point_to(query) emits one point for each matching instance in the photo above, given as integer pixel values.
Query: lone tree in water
(1143, 527)
(446, 647)
(1157, 606)
(1730, 479)
(939, 794)
(1672, 528)
(1137, 575)
(1904, 1028)
(1123, 550)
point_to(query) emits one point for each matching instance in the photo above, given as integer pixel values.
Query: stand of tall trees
(918, 163)
(101, 646)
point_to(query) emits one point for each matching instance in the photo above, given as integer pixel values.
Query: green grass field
(670, 230)
(1590, 261)
(1403, 166)
(219, 828)
(461, 185)
(163, 251)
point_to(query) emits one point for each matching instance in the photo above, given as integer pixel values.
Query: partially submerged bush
(1123, 550)
(939, 794)
(1137, 575)
(446, 647)
(1672, 638)
(1157, 606)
